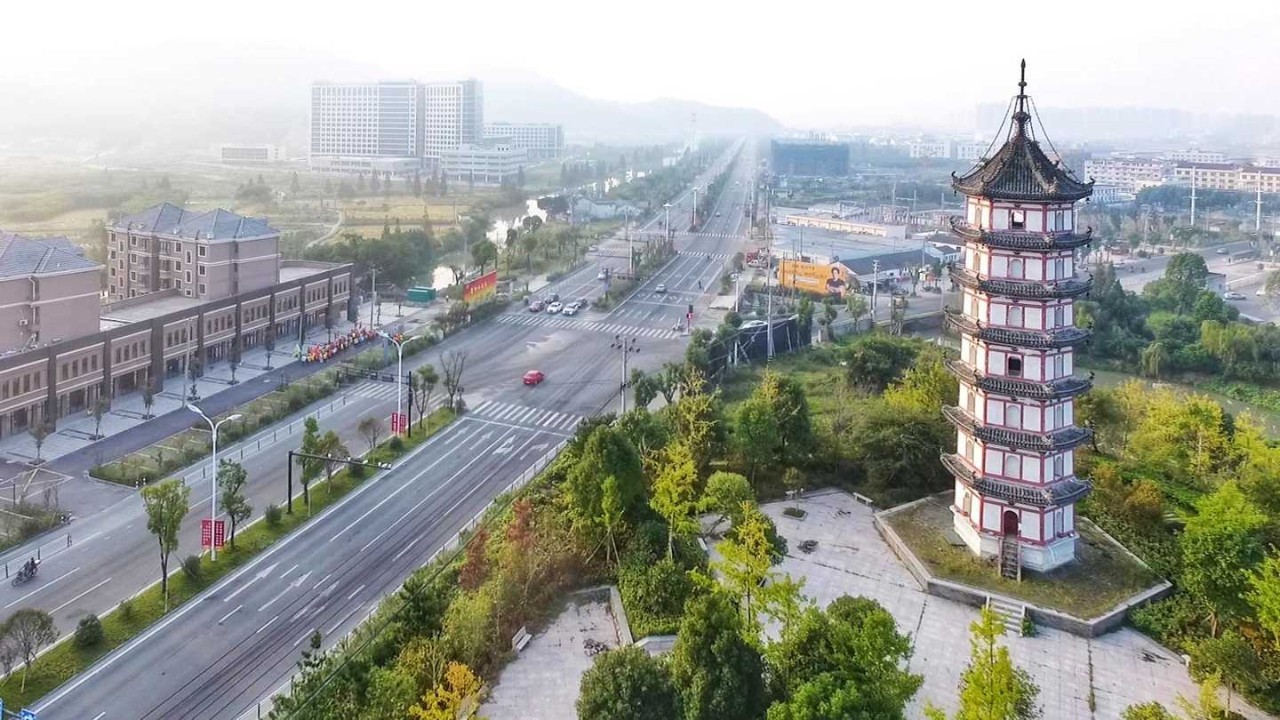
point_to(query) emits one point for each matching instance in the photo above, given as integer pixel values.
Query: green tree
(719, 673)
(29, 630)
(853, 644)
(627, 684)
(1264, 595)
(231, 481)
(826, 697)
(875, 361)
(791, 409)
(897, 448)
(335, 453)
(311, 466)
(390, 691)
(696, 418)
(1155, 358)
(644, 387)
(725, 495)
(607, 453)
(1221, 545)
(1231, 658)
(370, 428)
(484, 253)
(757, 437)
(856, 306)
(992, 687)
(1147, 711)
(927, 385)
(424, 384)
(675, 493)
(166, 504)
(746, 562)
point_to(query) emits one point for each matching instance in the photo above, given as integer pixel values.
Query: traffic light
(690, 308)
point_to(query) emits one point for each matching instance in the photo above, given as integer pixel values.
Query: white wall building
(929, 149)
(1127, 173)
(1196, 156)
(251, 154)
(483, 165)
(543, 141)
(972, 151)
(454, 116)
(354, 123)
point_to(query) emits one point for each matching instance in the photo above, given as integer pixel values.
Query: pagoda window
(1017, 220)
(1059, 416)
(1016, 270)
(1059, 467)
(1013, 466)
(968, 503)
(1014, 366)
(1013, 415)
(1059, 316)
(1016, 317)
(1059, 367)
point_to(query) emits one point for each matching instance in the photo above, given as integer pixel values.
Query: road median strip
(134, 616)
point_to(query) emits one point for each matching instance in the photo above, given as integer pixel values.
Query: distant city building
(355, 124)
(929, 149)
(972, 151)
(1268, 162)
(206, 255)
(48, 290)
(809, 158)
(1110, 195)
(542, 141)
(1196, 156)
(1228, 176)
(251, 154)
(853, 227)
(1126, 173)
(454, 113)
(483, 164)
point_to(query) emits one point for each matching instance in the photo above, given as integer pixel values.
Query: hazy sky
(805, 62)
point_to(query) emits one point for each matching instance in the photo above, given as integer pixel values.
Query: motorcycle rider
(30, 568)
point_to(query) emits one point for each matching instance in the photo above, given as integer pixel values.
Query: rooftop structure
(1014, 465)
(48, 290)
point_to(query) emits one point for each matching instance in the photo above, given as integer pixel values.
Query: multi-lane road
(236, 644)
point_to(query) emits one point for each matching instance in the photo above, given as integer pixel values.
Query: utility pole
(373, 295)
(768, 271)
(693, 216)
(875, 289)
(628, 346)
(1193, 196)
(1257, 210)
(626, 231)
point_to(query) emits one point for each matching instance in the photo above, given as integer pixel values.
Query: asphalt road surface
(220, 654)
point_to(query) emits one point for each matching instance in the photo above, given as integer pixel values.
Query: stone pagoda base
(1034, 556)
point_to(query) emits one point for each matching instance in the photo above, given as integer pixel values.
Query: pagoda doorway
(1009, 523)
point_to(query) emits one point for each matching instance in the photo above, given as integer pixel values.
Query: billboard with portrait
(818, 278)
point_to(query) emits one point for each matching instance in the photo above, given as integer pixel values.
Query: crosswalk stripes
(588, 325)
(710, 255)
(523, 415)
(375, 390)
(718, 236)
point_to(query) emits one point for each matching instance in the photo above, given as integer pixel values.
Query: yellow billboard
(818, 278)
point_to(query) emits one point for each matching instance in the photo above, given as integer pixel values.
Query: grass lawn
(64, 661)
(1102, 576)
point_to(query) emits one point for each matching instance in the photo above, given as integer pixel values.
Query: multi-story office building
(1128, 174)
(454, 116)
(1228, 176)
(251, 154)
(48, 291)
(483, 164)
(971, 151)
(1196, 156)
(207, 255)
(929, 149)
(71, 351)
(356, 125)
(542, 141)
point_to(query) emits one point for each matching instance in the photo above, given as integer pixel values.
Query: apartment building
(1129, 174)
(454, 116)
(929, 149)
(542, 141)
(354, 125)
(48, 291)
(203, 255)
(60, 350)
(1208, 176)
(971, 151)
(490, 164)
(251, 154)
(1196, 156)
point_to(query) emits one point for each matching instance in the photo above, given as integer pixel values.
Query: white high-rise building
(454, 116)
(542, 141)
(366, 126)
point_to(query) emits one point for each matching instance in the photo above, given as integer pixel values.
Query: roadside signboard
(399, 423)
(206, 533)
(219, 533)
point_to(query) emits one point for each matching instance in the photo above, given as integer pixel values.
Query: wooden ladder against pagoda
(1010, 557)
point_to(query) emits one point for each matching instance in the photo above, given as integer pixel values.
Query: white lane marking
(273, 600)
(42, 589)
(111, 659)
(306, 636)
(353, 594)
(85, 540)
(484, 406)
(264, 627)
(406, 549)
(390, 497)
(233, 612)
(344, 619)
(326, 577)
(286, 572)
(261, 574)
(99, 716)
(86, 592)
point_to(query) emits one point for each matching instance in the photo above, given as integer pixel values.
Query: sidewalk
(73, 449)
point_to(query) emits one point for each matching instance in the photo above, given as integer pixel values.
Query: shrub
(127, 610)
(396, 444)
(191, 568)
(356, 472)
(89, 632)
(654, 595)
(271, 515)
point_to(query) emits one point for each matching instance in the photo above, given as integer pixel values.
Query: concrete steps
(1010, 614)
(1010, 559)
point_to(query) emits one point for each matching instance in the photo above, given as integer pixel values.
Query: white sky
(806, 62)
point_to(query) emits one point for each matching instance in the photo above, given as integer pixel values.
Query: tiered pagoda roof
(1020, 170)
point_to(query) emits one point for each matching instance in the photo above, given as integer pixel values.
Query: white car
(570, 309)
(660, 289)
(1261, 292)
(601, 275)
(554, 308)
(1232, 295)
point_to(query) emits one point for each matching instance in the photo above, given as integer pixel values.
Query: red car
(534, 377)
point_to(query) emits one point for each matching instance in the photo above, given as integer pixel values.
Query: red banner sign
(206, 532)
(219, 533)
(213, 532)
(399, 423)
(481, 288)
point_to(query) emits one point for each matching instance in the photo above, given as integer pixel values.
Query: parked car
(1232, 295)
(536, 306)
(534, 377)
(554, 308)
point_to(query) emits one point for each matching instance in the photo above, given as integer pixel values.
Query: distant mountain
(587, 120)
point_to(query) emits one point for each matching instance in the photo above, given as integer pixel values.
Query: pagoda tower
(1016, 486)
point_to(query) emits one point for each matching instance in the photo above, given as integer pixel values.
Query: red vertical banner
(206, 533)
(219, 533)
(399, 423)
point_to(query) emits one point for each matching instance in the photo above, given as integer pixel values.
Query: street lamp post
(213, 483)
(399, 370)
(693, 215)
(666, 222)
(628, 347)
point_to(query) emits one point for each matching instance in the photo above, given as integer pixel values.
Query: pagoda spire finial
(1020, 114)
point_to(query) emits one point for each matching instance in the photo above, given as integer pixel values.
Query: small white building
(587, 209)
(251, 154)
(929, 149)
(483, 165)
